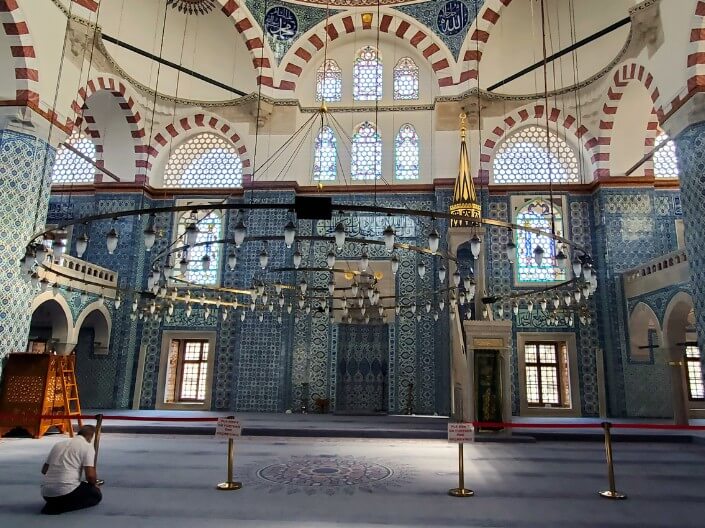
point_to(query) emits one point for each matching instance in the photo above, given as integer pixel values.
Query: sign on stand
(228, 428)
(460, 432)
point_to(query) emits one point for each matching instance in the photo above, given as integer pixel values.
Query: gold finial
(324, 107)
(463, 124)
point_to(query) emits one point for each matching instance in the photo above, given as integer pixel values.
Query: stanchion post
(96, 444)
(230, 485)
(612, 493)
(461, 490)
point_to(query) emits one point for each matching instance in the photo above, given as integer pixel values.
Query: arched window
(406, 79)
(70, 167)
(366, 153)
(406, 154)
(665, 162)
(325, 156)
(206, 160)
(210, 228)
(329, 81)
(537, 213)
(524, 158)
(367, 75)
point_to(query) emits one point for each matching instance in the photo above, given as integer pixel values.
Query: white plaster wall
(629, 132)
(7, 63)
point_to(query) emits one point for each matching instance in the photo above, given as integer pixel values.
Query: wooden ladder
(66, 373)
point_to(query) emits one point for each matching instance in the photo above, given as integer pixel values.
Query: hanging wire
(576, 94)
(546, 116)
(259, 107)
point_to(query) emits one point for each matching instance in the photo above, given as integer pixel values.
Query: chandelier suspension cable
(576, 91)
(259, 105)
(547, 118)
(377, 76)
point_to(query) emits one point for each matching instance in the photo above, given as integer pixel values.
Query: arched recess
(679, 329)
(95, 363)
(645, 334)
(165, 140)
(97, 317)
(632, 92)
(558, 120)
(20, 56)
(52, 320)
(477, 38)
(94, 92)
(311, 44)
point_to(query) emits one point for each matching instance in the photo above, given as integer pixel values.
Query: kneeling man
(62, 488)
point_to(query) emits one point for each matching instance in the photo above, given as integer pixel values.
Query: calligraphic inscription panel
(281, 23)
(453, 17)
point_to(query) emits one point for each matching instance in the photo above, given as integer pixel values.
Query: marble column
(690, 151)
(25, 165)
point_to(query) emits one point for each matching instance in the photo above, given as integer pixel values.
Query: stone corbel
(647, 29)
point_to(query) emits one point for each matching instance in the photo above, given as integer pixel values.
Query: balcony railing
(75, 268)
(661, 272)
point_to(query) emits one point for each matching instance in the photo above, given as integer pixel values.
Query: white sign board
(460, 432)
(228, 428)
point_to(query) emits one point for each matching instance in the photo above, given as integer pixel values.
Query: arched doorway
(51, 326)
(95, 365)
(681, 340)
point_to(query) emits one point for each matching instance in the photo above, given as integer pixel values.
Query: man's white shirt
(66, 461)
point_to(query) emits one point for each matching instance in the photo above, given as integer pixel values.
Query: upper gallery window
(406, 154)
(367, 75)
(406, 79)
(325, 156)
(329, 82)
(210, 229)
(524, 158)
(664, 159)
(537, 214)
(69, 167)
(366, 153)
(205, 160)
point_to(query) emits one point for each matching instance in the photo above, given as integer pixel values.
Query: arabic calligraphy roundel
(280, 23)
(453, 17)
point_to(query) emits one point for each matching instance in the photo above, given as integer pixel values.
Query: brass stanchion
(96, 444)
(612, 493)
(230, 485)
(461, 490)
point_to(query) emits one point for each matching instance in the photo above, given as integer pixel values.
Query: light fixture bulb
(297, 259)
(364, 261)
(530, 307)
(421, 269)
(117, 302)
(239, 233)
(577, 267)
(561, 258)
(515, 308)
(263, 259)
(242, 316)
(389, 238)
(111, 241)
(339, 234)
(538, 255)
(510, 249)
(442, 274)
(330, 259)
(331, 287)
(475, 246)
(183, 265)
(150, 236)
(81, 245)
(59, 247)
(191, 234)
(433, 241)
(441, 305)
(428, 306)
(206, 262)
(567, 298)
(395, 263)
(278, 287)
(289, 234)
(303, 286)
(354, 288)
(232, 261)
(456, 278)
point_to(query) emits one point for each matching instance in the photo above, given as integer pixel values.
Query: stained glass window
(406, 79)
(524, 158)
(329, 81)
(70, 167)
(367, 75)
(665, 162)
(366, 153)
(205, 160)
(537, 214)
(210, 227)
(406, 154)
(325, 158)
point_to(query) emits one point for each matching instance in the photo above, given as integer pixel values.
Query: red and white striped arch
(24, 55)
(126, 102)
(534, 114)
(696, 50)
(262, 56)
(477, 38)
(87, 125)
(174, 133)
(624, 74)
(309, 45)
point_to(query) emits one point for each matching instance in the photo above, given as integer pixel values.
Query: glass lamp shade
(413, 308)
(280, 300)
(585, 290)
(59, 247)
(364, 261)
(428, 306)
(561, 258)
(389, 238)
(462, 298)
(152, 308)
(363, 310)
(301, 303)
(135, 305)
(538, 255)
(206, 262)
(354, 288)
(510, 249)
(433, 241)
(265, 298)
(395, 263)
(183, 265)
(500, 311)
(484, 312)
(81, 245)
(224, 313)
(421, 269)
(150, 282)
(263, 259)
(150, 236)
(577, 267)
(441, 305)
(418, 317)
(380, 310)
(170, 309)
(242, 316)
(370, 293)
(367, 319)
(111, 241)
(232, 261)
(475, 246)
(278, 287)
(515, 309)
(471, 290)
(330, 259)
(375, 297)
(260, 317)
(303, 285)
(307, 309)
(187, 297)
(331, 288)
(578, 295)
(456, 278)
(360, 302)
(544, 304)
(297, 259)
(586, 271)
(467, 282)
(530, 307)
(239, 233)
(339, 234)
(397, 309)
(174, 293)
(253, 306)
(270, 307)
(206, 313)
(289, 234)
(117, 302)
(442, 273)
(435, 316)
(41, 253)
(168, 270)
(567, 298)
(288, 308)
(191, 234)
(260, 288)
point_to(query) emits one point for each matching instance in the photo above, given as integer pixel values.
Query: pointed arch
(406, 153)
(104, 331)
(26, 73)
(366, 152)
(644, 333)
(557, 118)
(390, 22)
(61, 321)
(406, 80)
(205, 160)
(329, 81)
(368, 74)
(696, 51)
